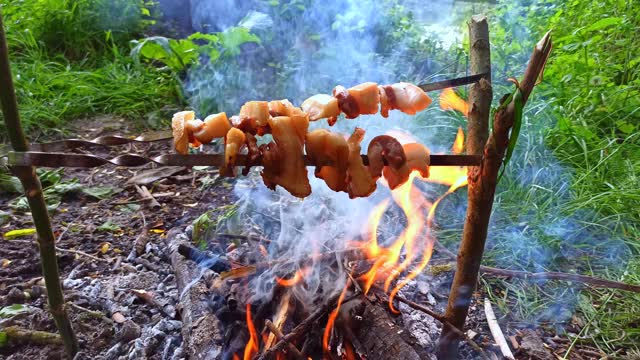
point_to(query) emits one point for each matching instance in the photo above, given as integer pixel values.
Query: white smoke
(311, 46)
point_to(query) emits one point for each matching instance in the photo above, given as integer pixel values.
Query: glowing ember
(252, 345)
(449, 100)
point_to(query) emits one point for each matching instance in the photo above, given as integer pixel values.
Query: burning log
(482, 186)
(201, 330)
(378, 334)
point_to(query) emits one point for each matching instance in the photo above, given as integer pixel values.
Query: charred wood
(201, 330)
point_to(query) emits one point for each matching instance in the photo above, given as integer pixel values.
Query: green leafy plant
(179, 54)
(67, 61)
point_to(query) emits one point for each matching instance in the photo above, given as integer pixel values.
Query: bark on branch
(482, 185)
(35, 198)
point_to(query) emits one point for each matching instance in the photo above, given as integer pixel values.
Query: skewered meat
(384, 148)
(322, 106)
(366, 96)
(417, 159)
(405, 97)
(283, 159)
(325, 147)
(256, 110)
(253, 153)
(234, 142)
(346, 102)
(214, 126)
(181, 131)
(360, 183)
(283, 108)
(358, 100)
(254, 117)
(192, 127)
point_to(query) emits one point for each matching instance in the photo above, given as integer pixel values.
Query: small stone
(15, 295)
(423, 287)
(129, 331)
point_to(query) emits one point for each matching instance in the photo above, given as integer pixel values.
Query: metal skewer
(34, 158)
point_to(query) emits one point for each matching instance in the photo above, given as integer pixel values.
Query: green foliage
(179, 54)
(54, 189)
(13, 310)
(67, 63)
(210, 222)
(587, 109)
(108, 226)
(77, 27)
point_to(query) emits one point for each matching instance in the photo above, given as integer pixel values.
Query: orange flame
(415, 207)
(236, 357)
(458, 143)
(332, 318)
(348, 352)
(449, 100)
(297, 277)
(252, 345)
(454, 176)
(411, 201)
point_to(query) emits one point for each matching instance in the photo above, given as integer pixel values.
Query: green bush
(70, 60)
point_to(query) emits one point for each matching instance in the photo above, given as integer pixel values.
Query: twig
(551, 275)
(78, 252)
(144, 192)
(596, 282)
(438, 317)
(280, 336)
(498, 336)
(93, 313)
(142, 238)
(19, 335)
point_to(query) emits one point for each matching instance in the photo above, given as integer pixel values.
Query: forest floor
(114, 260)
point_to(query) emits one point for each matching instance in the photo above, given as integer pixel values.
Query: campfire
(288, 322)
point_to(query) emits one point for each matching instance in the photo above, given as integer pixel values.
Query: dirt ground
(95, 240)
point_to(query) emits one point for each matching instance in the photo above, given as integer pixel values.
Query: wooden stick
(33, 192)
(299, 330)
(480, 93)
(18, 335)
(280, 336)
(551, 275)
(482, 186)
(498, 336)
